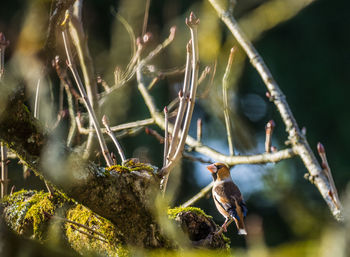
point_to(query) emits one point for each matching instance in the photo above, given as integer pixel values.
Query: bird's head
(219, 171)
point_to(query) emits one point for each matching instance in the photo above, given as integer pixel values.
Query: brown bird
(227, 197)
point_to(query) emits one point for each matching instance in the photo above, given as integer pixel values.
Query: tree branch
(299, 143)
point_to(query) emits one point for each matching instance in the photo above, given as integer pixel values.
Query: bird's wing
(230, 199)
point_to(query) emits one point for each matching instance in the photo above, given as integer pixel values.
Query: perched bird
(227, 197)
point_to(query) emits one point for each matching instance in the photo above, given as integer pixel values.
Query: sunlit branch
(114, 139)
(297, 139)
(268, 135)
(199, 195)
(225, 85)
(192, 22)
(166, 136)
(183, 103)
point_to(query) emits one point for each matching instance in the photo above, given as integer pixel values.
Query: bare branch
(145, 19)
(225, 85)
(297, 139)
(327, 170)
(4, 171)
(192, 22)
(199, 130)
(268, 135)
(86, 100)
(36, 103)
(3, 44)
(114, 139)
(199, 195)
(182, 106)
(4, 168)
(80, 42)
(207, 151)
(195, 159)
(155, 134)
(166, 136)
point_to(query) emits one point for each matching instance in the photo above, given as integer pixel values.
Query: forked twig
(114, 139)
(182, 106)
(192, 22)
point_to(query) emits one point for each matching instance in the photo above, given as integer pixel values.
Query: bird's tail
(241, 227)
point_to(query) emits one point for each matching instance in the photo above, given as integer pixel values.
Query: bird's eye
(219, 166)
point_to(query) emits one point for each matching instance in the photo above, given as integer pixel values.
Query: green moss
(118, 168)
(107, 245)
(131, 165)
(227, 240)
(26, 211)
(172, 213)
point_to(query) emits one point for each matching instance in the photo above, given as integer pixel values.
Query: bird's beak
(212, 168)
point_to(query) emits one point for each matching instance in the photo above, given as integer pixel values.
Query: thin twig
(268, 135)
(70, 91)
(206, 150)
(36, 103)
(144, 61)
(297, 139)
(153, 82)
(79, 40)
(199, 130)
(204, 75)
(114, 139)
(192, 22)
(204, 191)
(75, 223)
(145, 19)
(211, 81)
(89, 235)
(166, 136)
(195, 159)
(3, 44)
(129, 125)
(4, 171)
(327, 170)
(183, 103)
(225, 85)
(4, 168)
(91, 112)
(155, 134)
(73, 124)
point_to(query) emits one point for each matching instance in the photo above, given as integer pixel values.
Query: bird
(227, 197)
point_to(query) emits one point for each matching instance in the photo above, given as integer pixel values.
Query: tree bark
(125, 195)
